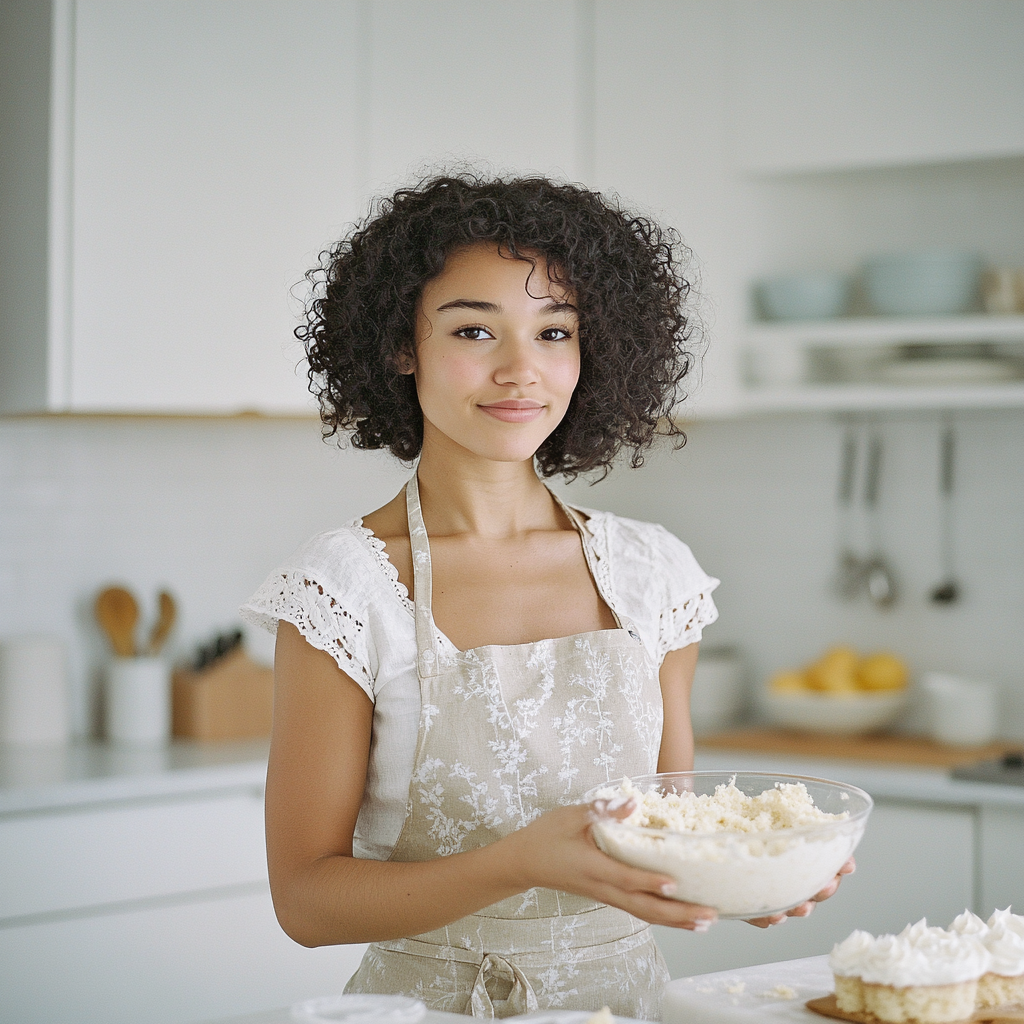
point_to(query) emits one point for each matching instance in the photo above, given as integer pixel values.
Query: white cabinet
(853, 83)
(914, 861)
(661, 121)
(146, 912)
(165, 964)
(1001, 853)
(213, 157)
(203, 153)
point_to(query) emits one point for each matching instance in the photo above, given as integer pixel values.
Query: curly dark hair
(626, 272)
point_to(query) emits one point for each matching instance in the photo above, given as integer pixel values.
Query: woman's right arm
(323, 895)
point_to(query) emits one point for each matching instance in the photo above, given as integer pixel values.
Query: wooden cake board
(828, 1007)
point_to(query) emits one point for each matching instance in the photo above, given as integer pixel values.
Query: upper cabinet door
(220, 145)
(662, 82)
(489, 82)
(213, 158)
(823, 84)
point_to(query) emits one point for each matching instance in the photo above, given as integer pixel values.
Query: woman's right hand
(557, 851)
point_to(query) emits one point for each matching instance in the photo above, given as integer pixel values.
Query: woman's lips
(513, 411)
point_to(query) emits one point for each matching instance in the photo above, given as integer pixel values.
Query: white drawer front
(106, 855)
(199, 961)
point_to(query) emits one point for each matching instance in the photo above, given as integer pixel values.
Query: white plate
(925, 372)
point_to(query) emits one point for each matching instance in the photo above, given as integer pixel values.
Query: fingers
(849, 867)
(766, 922)
(618, 807)
(803, 910)
(658, 910)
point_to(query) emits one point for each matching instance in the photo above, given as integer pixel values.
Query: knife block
(232, 699)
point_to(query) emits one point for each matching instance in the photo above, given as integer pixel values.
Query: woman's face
(497, 354)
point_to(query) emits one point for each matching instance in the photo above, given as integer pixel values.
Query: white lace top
(343, 595)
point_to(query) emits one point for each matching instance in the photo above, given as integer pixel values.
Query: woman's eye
(555, 334)
(473, 333)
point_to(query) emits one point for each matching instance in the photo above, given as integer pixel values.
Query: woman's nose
(516, 364)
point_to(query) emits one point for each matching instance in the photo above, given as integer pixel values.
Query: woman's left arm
(676, 754)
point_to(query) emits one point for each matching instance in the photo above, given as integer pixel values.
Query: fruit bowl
(846, 713)
(742, 874)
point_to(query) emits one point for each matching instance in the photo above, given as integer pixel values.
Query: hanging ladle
(948, 591)
(878, 576)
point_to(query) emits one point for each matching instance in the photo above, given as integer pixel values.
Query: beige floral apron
(506, 733)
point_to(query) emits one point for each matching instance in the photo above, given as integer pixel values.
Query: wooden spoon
(117, 613)
(164, 623)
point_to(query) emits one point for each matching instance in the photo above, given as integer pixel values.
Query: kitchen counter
(47, 778)
(882, 780)
(750, 994)
(283, 1016)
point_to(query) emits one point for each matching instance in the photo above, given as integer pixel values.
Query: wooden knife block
(232, 699)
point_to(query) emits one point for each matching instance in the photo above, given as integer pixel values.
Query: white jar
(717, 695)
(34, 705)
(961, 712)
(138, 701)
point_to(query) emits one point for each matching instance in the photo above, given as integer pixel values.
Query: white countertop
(283, 1016)
(750, 994)
(48, 778)
(881, 781)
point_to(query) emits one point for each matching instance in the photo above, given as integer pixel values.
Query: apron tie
(501, 976)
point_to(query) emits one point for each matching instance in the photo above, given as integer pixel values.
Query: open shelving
(797, 341)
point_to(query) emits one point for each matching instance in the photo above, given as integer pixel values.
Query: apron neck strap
(427, 647)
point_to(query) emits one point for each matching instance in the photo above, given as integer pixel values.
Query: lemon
(835, 671)
(788, 682)
(882, 671)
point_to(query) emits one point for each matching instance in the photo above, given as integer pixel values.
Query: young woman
(457, 668)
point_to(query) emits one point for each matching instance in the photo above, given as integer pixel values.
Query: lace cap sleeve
(688, 606)
(302, 597)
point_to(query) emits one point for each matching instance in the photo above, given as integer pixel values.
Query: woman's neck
(473, 495)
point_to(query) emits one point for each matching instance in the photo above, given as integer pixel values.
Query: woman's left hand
(805, 908)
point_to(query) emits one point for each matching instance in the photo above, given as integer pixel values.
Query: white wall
(756, 500)
(208, 507)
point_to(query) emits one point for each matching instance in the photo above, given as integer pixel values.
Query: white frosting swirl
(1014, 922)
(847, 956)
(919, 955)
(919, 932)
(969, 924)
(1006, 950)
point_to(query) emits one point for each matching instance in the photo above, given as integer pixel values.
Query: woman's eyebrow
(492, 307)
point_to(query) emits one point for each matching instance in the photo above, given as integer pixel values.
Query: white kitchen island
(134, 885)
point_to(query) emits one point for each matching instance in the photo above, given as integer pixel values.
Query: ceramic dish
(823, 712)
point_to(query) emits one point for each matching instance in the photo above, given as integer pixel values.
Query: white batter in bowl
(748, 844)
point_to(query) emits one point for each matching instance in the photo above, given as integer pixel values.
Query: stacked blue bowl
(815, 296)
(931, 283)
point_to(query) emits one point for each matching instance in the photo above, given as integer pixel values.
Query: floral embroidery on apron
(506, 733)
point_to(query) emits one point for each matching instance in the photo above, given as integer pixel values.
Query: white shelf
(866, 398)
(887, 330)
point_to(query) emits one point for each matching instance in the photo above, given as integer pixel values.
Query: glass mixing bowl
(740, 874)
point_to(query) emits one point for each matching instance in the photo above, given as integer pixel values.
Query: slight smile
(514, 410)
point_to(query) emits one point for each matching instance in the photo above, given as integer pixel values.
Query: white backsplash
(208, 507)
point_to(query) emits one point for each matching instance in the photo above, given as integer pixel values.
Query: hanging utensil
(117, 612)
(878, 576)
(164, 623)
(849, 575)
(948, 591)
